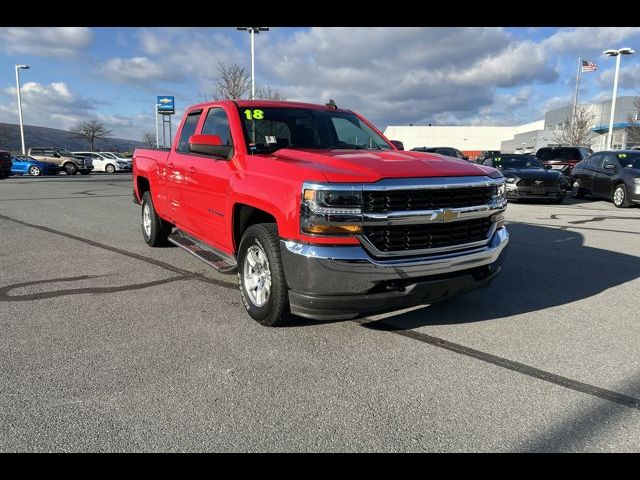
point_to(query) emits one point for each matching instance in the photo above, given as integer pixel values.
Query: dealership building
(527, 138)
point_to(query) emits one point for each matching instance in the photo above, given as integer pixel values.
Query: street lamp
(20, 67)
(252, 31)
(615, 53)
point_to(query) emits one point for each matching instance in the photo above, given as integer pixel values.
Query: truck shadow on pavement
(545, 267)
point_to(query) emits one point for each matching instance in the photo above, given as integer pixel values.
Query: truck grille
(427, 199)
(437, 235)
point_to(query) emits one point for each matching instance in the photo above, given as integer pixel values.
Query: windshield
(629, 160)
(507, 163)
(268, 129)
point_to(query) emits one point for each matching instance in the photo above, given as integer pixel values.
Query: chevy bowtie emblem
(445, 215)
(165, 100)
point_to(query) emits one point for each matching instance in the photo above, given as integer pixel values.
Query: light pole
(615, 53)
(252, 31)
(20, 67)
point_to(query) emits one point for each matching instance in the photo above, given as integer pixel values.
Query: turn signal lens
(334, 229)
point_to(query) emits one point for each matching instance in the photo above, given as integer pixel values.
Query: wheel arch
(246, 215)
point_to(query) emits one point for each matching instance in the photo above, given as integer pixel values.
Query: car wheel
(110, 168)
(35, 170)
(70, 168)
(576, 190)
(261, 276)
(154, 229)
(619, 196)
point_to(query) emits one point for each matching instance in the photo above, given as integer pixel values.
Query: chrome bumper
(342, 281)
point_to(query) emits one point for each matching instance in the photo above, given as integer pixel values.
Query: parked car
(5, 164)
(528, 179)
(319, 214)
(563, 159)
(486, 155)
(610, 174)
(26, 165)
(105, 163)
(65, 160)
(119, 157)
(448, 151)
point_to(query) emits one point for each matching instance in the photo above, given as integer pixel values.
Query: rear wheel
(154, 229)
(619, 196)
(261, 276)
(35, 170)
(71, 168)
(110, 168)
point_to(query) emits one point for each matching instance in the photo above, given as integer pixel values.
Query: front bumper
(526, 193)
(341, 282)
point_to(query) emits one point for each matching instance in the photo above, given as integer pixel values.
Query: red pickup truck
(320, 215)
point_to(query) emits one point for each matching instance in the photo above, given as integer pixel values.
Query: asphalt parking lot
(109, 345)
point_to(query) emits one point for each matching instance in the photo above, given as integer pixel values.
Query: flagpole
(575, 98)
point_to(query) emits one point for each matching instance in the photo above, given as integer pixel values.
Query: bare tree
(149, 138)
(91, 131)
(578, 130)
(633, 135)
(269, 93)
(233, 82)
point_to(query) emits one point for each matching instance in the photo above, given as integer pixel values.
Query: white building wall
(465, 138)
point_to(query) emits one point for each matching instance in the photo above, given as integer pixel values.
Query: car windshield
(507, 163)
(268, 129)
(629, 160)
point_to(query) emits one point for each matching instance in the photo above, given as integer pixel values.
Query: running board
(219, 260)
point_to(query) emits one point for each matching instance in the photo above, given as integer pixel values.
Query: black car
(528, 179)
(610, 174)
(448, 151)
(5, 164)
(562, 159)
(486, 155)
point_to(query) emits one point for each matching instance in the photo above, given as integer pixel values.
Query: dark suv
(5, 164)
(562, 159)
(448, 151)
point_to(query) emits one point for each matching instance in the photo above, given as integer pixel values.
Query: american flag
(588, 66)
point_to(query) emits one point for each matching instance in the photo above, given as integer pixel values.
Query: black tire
(576, 190)
(275, 312)
(110, 168)
(625, 198)
(159, 229)
(70, 168)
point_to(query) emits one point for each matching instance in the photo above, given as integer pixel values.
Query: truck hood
(374, 165)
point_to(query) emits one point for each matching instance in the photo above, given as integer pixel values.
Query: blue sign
(166, 105)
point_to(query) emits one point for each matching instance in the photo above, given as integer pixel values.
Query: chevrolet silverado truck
(318, 213)
(65, 160)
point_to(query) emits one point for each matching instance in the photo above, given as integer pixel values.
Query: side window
(609, 159)
(594, 160)
(217, 123)
(48, 152)
(188, 129)
(36, 151)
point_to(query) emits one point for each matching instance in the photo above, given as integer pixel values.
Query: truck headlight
(331, 209)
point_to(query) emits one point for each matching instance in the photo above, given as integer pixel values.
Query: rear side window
(188, 129)
(36, 151)
(217, 123)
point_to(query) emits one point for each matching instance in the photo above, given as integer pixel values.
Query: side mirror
(398, 144)
(210, 145)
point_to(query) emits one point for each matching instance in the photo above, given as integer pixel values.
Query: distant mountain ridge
(53, 137)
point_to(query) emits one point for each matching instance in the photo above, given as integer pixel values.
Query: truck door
(175, 176)
(207, 185)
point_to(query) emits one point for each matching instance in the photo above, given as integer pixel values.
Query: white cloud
(61, 42)
(139, 70)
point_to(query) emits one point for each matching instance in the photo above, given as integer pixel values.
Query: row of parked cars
(51, 160)
(552, 171)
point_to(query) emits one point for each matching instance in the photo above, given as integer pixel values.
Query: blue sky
(392, 75)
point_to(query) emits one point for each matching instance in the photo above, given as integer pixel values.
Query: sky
(390, 75)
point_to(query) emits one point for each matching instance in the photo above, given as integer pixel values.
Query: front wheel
(35, 170)
(576, 189)
(620, 198)
(154, 229)
(71, 169)
(261, 275)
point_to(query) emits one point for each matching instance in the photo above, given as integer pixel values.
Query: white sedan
(106, 162)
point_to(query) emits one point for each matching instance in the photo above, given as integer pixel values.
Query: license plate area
(538, 190)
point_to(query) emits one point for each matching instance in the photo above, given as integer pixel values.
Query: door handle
(170, 165)
(192, 169)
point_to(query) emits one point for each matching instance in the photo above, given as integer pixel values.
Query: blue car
(26, 165)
